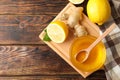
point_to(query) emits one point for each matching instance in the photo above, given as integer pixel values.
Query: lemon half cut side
(57, 31)
(76, 1)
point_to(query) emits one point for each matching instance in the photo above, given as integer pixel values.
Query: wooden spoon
(87, 50)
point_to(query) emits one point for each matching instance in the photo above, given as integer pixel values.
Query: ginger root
(75, 17)
(80, 30)
(73, 21)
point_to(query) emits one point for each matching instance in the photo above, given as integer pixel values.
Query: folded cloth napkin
(112, 43)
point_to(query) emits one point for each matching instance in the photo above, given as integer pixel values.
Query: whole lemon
(98, 11)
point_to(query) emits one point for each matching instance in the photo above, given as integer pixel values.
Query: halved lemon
(76, 1)
(57, 31)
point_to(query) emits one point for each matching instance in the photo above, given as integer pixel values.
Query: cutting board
(62, 49)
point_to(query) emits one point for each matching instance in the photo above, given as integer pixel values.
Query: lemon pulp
(57, 31)
(76, 1)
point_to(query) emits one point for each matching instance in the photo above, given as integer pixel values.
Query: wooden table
(23, 56)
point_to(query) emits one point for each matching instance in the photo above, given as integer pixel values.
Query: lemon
(57, 31)
(98, 11)
(76, 1)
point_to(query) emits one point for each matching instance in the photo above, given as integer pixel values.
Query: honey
(81, 56)
(96, 58)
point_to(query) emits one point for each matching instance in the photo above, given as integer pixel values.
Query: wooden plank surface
(31, 60)
(22, 61)
(16, 29)
(56, 77)
(31, 7)
(23, 56)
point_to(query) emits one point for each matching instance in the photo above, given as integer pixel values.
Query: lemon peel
(98, 11)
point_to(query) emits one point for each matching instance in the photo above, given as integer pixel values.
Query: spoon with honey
(86, 52)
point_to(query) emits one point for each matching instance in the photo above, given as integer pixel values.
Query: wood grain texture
(56, 77)
(22, 29)
(31, 60)
(36, 61)
(31, 7)
(23, 56)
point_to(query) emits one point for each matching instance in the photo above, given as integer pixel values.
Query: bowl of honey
(96, 58)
